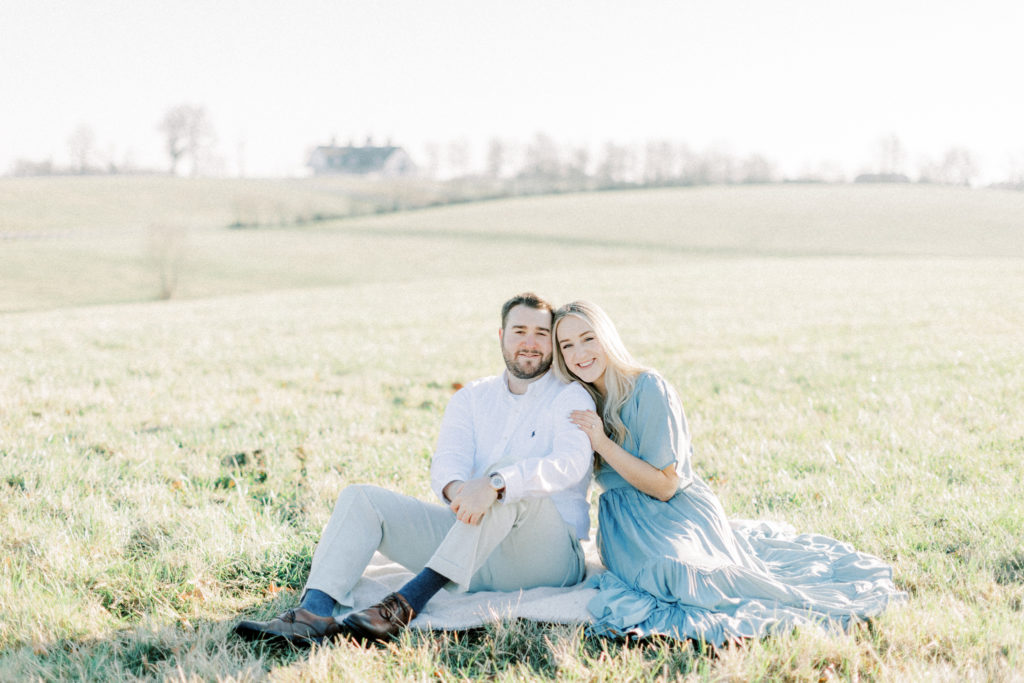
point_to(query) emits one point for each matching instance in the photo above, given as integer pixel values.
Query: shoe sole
(254, 634)
(361, 637)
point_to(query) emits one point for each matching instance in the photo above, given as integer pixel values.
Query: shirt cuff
(445, 479)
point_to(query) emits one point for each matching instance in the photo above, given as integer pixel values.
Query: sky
(804, 83)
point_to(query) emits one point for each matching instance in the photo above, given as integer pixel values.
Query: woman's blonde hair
(620, 372)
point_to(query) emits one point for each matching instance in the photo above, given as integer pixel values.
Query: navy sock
(318, 602)
(422, 587)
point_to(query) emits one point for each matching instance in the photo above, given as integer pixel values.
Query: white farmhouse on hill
(384, 162)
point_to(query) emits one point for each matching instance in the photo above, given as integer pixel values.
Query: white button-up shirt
(527, 438)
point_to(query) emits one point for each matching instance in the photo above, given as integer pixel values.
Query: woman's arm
(661, 484)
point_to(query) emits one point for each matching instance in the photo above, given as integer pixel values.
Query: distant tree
(458, 157)
(660, 162)
(715, 166)
(686, 163)
(891, 156)
(82, 149)
(433, 154)
(613, 168)
(542, 159)
(188, 134)
(578, 164)
(757, 169)
(495, 158)
(166, 254)
(929, 171)
(174, 127)
(1015, 171)
(958, 167)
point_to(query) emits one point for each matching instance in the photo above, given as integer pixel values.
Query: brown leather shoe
(296, 626)
(382, 621)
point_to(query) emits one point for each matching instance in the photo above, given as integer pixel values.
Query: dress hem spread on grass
(808, 580)
(679, 568)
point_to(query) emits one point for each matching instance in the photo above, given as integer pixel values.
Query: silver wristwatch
(498, 484)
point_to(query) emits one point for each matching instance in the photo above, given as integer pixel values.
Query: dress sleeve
(660, 429)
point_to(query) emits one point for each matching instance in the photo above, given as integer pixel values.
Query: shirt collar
(532, 388)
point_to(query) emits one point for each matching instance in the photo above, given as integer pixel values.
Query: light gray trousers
(522, 544)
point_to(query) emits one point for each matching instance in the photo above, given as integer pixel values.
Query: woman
(677, 567)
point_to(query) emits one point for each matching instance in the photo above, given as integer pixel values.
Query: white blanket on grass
(458, 611)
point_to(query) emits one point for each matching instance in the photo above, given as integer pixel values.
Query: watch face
(497, 481)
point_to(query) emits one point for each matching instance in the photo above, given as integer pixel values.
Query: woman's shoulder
(649, 381)
(652, 391)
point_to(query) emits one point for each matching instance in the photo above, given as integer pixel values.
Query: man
(513, 472)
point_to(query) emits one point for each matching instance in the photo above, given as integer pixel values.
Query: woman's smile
(582, 350)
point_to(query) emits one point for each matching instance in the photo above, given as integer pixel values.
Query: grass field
(851, 360)
(94, 241)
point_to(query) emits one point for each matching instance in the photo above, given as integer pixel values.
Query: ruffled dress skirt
(681, 569)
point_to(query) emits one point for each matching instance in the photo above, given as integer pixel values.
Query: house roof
(355, 159)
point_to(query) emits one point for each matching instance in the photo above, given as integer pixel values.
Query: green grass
(167, 466)
(94, 241)
(48, 206)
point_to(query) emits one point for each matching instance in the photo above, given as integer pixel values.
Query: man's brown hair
(525, 299)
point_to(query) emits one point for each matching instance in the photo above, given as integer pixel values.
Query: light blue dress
(681, 569)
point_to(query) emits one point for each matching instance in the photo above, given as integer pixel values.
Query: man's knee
(367, 492)
(356, 496)
(375, 500)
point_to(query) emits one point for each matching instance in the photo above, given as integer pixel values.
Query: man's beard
(523, 372)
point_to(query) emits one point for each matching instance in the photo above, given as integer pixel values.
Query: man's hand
(473, 500)
(451, 489)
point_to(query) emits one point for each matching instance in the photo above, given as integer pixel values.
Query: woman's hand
(591, 424)
(661, 484)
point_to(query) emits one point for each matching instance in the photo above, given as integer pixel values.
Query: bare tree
(614, 165)
(166, 254)
(458, 157)
(687, 163)
(188, 134)
(82, 148)
(892, 155)
(433, 154)
(577, 164)
(495, 158)
(659, 162)
(929, 171)
(1015, 170)
(542, 158)
(757, 169)
(715, 166)
(174, 127)
(958, 166)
